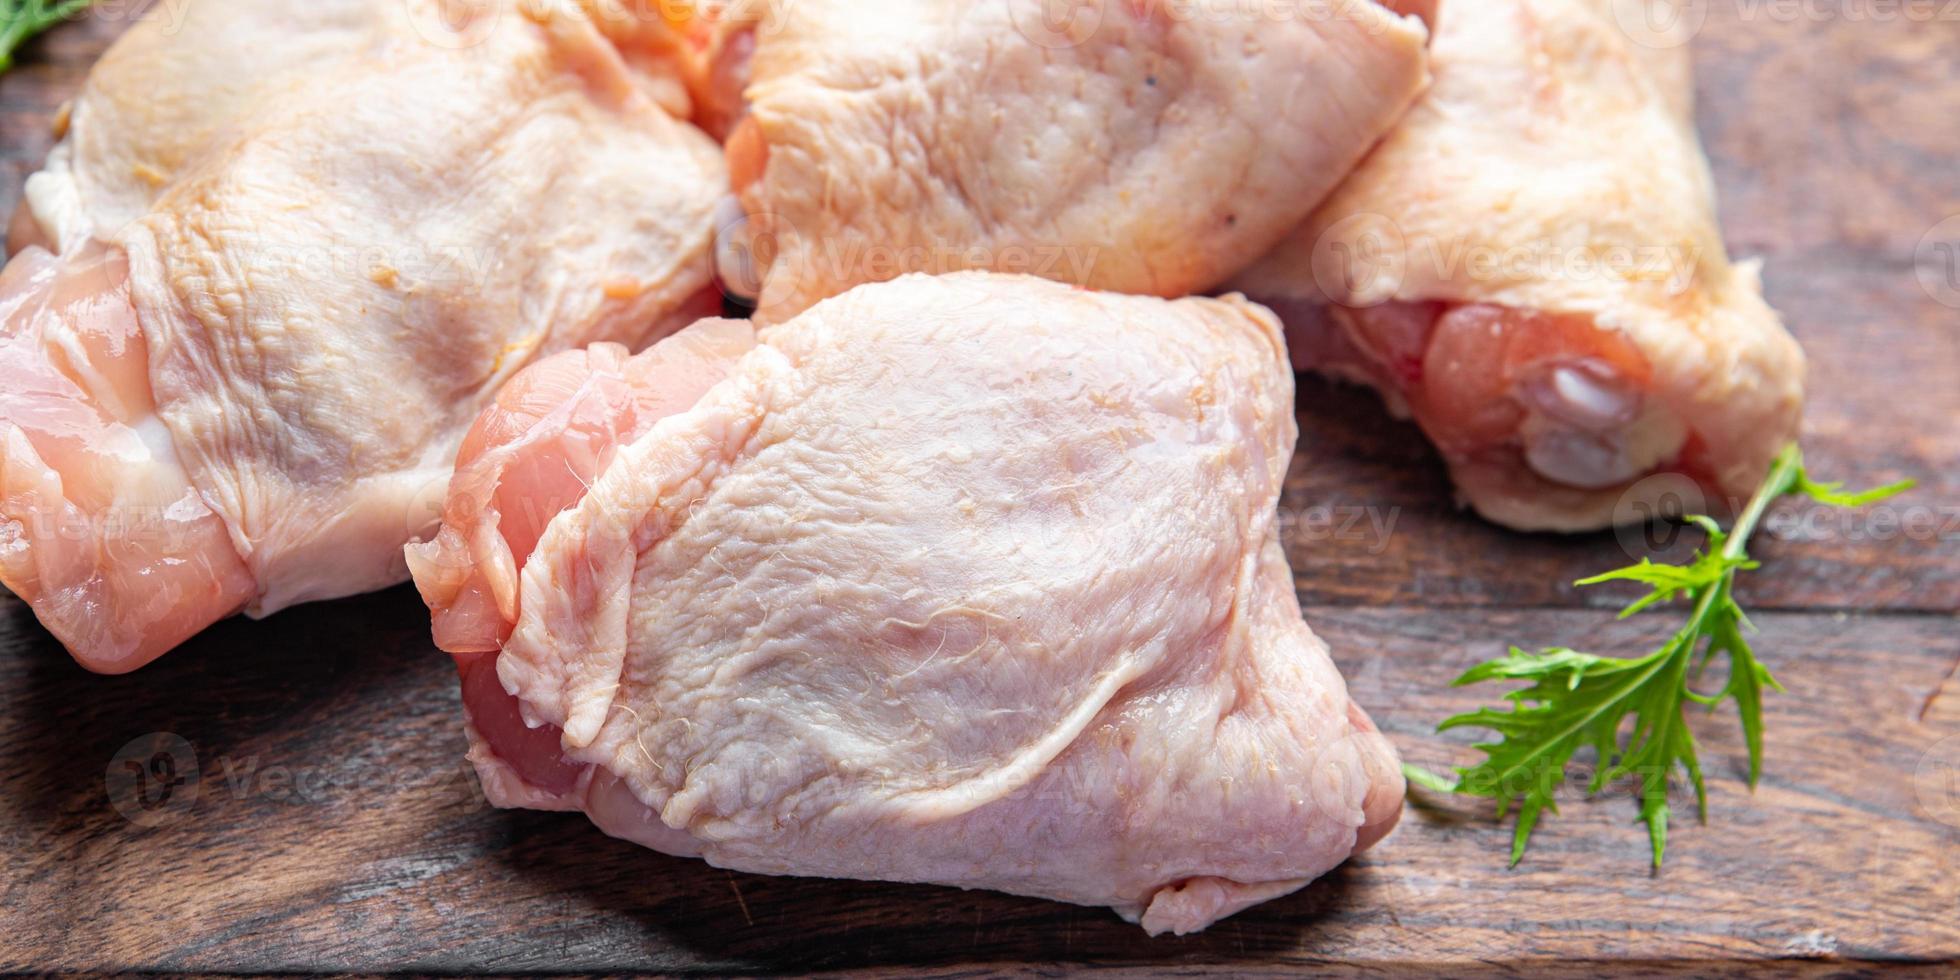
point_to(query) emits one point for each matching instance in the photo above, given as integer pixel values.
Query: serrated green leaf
(1631, 713)
(1519, 665)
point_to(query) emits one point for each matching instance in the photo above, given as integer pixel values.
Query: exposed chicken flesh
(1139, 147)
(252, 394)
(100, 527)
(1529, 266)
(971, 580)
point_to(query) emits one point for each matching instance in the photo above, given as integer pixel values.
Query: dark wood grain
(333, 826)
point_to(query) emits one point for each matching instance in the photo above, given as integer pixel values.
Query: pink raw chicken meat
(1529, 266)
(971, 580)
(244, 387)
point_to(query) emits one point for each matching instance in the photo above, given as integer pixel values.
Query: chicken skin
(175, 86)
(1144, 148)
(246, 387)
(167, 91)
(971, 580)
(1529, 266)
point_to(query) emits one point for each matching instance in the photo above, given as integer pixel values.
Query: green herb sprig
(1573, 700)
(23, 19)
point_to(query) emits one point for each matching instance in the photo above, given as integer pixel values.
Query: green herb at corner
(23, 19)
(1574, 700)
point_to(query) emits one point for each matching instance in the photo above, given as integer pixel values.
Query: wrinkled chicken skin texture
(1551, 388)
(169, 90)
(1147, 152)
(327, 298)
(176, 87)
(971, 580)
(530, 456)
(533, 453)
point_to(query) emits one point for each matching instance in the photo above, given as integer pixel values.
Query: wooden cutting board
(328, 823)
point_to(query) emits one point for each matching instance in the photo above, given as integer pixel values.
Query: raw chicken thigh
(1139, 147)
(1529, 265)
(250, 389)
(162, 95)
(971, 580)
(175, 85)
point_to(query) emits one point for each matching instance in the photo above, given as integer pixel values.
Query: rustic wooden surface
(332, 826)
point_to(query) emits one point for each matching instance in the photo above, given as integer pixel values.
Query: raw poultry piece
(250, 393)
(1141, 147)
(971, 580)
(160, 97)
(175, 85)
(1529, 266)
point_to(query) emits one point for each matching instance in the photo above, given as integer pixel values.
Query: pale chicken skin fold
(1529, 266)
(972, 580)
(251, 393)
(177, 85)
(1137, 147)
(170, 90)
